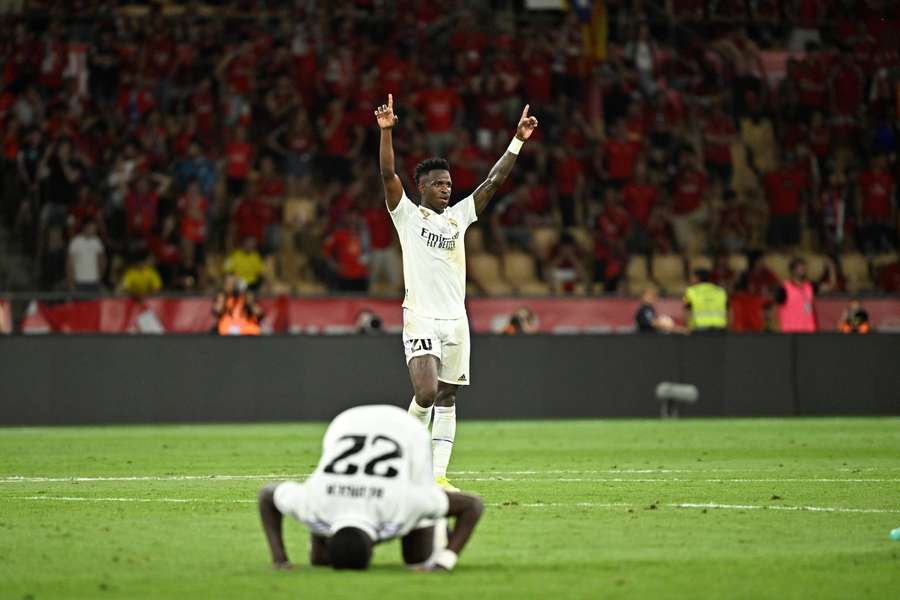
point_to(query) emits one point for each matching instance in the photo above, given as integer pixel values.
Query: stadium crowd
(151, 146)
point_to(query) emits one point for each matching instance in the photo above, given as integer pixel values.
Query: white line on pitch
(675, 480)
(602, 505)
(27, 479)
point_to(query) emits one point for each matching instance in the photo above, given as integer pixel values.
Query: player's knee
(426, 396)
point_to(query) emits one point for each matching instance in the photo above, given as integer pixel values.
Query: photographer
(236, 310)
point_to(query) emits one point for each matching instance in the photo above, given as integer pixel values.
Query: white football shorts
(445, 339)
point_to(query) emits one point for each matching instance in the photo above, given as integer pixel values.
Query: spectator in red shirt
(192, 209)
(439, 105)
(249, 218)
(238, 162)
(876, 204)
(833, 214)
(566, 265)
(165, 246)
(747, 309)
(385, 267)
(142, 204)
(889, 277)
(689, 203)
(343, 251)
(640, 196)
(620, 157)
(511, 221)
(845, 85)
(611, 231)
(569, 184)
(718, 135)
(340, 140)
(785, 191)
(732, 232)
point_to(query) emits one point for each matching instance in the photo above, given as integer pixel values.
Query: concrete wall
(129, 379)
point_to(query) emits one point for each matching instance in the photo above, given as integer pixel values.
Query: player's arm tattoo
(498, 174)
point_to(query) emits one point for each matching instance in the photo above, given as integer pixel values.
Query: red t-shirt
(381, 232)
(344, 247)
(193, 218)
(464, 177)
(142, 211)
(439, 106)
(250, 218)
(238, 158)
(689, 190)
(783, 190)
(539, 199)
(567, 172)
(640, 198)
(538, 83)
(877, 189)
(747, 311)
(621, 157)
(847, 87)
(718, 154)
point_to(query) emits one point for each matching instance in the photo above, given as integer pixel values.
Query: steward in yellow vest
(706, 304)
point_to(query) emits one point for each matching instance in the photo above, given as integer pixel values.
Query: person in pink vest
(795, 299)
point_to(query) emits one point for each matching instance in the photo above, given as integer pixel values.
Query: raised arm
(393, 189)
(503, 167)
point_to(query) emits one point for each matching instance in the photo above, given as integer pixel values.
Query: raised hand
(384, 114)
(526, 126)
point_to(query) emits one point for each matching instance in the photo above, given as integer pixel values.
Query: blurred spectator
(569, 184)
(385, 266)
(344, 252)
(142, 205)
(523, 321)
(440, 106)
(833, 214)
(690, 211)
(796, 301)
(855, 319)
(611, 232)
(165, 245)
(141, 278)
(889, 277)
(731, 229)
(746, 309)
(620, 157)
(87, 260)
(566, 266)
(785, 191)
(250, 217)
(235, 309)
(246, 263)
(648, 321)
(511, 222)
(706, 304)
(193, 208)
(196, 167)
(239, 157)
(718, 136)
(877, 207)
(640, 197)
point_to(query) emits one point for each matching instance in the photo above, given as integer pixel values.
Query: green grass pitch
(796, 508)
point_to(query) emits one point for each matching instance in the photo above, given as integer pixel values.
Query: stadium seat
(298, 212)
(856, 273)
(738, 263)
(884, 259)
(486, 269)
(668, 272)
(544, 238)
(309, 288)
(520, 271)
(474, 241)
(583, 238)
(699, 261)
(778, 264)
(214, 264)
(815, 265)
(636, 276)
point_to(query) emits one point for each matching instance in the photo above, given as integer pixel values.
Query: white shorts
(445, 339)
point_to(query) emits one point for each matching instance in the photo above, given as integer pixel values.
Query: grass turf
(577, 509)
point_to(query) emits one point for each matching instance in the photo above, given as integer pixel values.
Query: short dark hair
(430, 164)
(703, 275)
(350, 548)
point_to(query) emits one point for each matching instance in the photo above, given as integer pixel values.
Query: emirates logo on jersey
(435, 240)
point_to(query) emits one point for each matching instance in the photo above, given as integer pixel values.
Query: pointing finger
(390, 101)
(525, 111)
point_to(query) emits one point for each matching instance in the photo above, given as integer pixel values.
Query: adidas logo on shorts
(462, 377)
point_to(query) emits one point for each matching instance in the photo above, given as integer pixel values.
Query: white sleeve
(465, 210)
(290, 499)
(73, 246)
(428, 502)
(401, 212)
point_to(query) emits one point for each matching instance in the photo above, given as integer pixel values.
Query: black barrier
(132, 379)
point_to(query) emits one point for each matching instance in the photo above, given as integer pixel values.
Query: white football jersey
(434, 257)
(375, 474)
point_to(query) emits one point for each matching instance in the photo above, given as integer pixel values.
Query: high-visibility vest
(234, 321)
(797, 314)
(709, 306)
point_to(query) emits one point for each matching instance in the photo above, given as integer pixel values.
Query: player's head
(350, 548)
(433, 181)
